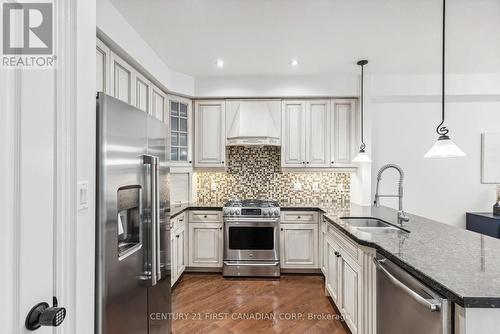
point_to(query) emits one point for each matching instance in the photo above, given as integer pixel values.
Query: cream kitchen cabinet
(205, 244)
(158, 103)
(293, 133)
(317, 133)
(332, 269)
(141, 92)
(178, 247)
(180, 118)
(121, 79)
(299, 246)
(343, 127)
(350, 280)
(103, 61)
(210, 134)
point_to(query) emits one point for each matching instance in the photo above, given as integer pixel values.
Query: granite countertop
(463, 266)
(177, 209)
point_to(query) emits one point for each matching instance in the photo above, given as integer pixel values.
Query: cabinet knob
(332, 162)
(205, 216)
(220, 228)
(299, 217)
(281, 228)
(177, 236)
(337, 254)
(303, 162)
(307, 162)
(190, 162)
(222, 162)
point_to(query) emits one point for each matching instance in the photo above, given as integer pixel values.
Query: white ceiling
(259, 37)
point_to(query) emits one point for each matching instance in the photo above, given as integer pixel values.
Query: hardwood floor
(209, 303)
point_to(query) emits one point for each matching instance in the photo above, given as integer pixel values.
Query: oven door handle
(251, 264)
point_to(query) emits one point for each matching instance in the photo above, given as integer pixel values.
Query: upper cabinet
(317, 133)
(343, 133)
(210, 134)
(116, 77)
(121, 79)
(293, 134)
(181, 131)
(142, 92)
(102, 67)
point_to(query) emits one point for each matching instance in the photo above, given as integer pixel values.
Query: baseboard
(300, 271)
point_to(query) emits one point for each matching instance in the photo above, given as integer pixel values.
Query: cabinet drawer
(205, 216)
(178, 221)
(347, 245)
(299, 217)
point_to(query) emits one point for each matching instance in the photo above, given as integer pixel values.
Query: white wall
(116, 31)
(404, 114)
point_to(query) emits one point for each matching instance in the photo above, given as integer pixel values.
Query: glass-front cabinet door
(180, 120)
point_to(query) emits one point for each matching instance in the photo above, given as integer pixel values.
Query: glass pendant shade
(362, 157)
(444, 148)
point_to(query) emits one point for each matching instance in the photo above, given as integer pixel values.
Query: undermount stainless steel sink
(371, 225)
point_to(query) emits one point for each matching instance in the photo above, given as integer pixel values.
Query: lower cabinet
(299, 246)
(178, 251)
(350, 280)
(205, 244)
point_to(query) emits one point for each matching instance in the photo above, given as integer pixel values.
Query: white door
(141, 92)
(350, 284)
(299, 245)
(333, 270)
(102, 67)
(180, 250)
(205, 244)
(343, 132)
(210, 147)
(293, 144)
(318, 133)
(121, 79)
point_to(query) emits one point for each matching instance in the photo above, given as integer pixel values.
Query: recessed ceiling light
(219, 63)
(294, 62)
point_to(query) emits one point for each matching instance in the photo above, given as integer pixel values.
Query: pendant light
(444, 147)
(362, 155)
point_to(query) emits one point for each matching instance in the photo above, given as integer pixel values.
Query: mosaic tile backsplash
(255, 172)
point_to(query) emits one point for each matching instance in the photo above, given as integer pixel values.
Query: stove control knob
(238, 212)
(231, 212)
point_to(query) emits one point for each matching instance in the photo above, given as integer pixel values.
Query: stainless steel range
(251, 238)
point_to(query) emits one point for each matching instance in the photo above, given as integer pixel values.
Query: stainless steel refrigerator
(132, 221)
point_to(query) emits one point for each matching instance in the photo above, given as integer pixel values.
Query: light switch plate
(213, 186)
(315, 186)
(82, 195)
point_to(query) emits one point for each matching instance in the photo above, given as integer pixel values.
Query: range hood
(253, 122)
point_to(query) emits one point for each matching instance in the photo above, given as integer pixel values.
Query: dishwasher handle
(431, 304)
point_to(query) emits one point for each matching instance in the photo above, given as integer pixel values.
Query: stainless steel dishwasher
(406, 305)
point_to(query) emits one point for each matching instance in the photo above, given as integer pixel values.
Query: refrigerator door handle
(154, 242)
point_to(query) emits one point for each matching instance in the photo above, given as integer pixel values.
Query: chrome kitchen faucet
(402, 217)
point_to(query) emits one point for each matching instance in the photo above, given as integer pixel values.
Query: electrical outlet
(297, 186)
(213, 186)
(315, 186)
